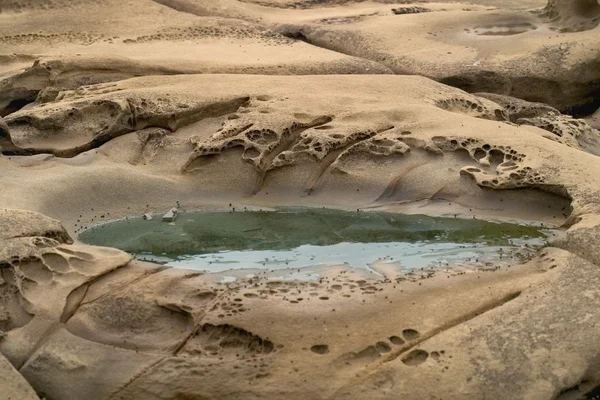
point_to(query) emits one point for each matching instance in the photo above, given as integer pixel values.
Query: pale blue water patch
(362, 255)
(298, 238)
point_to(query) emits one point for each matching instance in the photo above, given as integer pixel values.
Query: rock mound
(572, 15)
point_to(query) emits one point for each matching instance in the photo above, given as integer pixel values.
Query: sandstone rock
(12, 384)
(523, 332)
(117, 36)
(16, 224)
(84, 368)
(518, 108)
(594, 120)
(572, 16)
(581, 238)
(69, 128)
(43, 278)
(143, 331)
(97, 142)
(44, 80)
(4, 135)
(477, 49)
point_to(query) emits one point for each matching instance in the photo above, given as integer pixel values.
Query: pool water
(295, 238)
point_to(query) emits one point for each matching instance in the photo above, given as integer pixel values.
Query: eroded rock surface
(72, 311)
(572, 16)
(142, 331)
(112, 109)
(44, 80)
(13, 385)
(85, 43)
(73, 126)
(43, 278)
(504, 49)
(161, 125)
(475, 48)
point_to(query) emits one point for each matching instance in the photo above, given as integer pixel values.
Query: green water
(218, 241)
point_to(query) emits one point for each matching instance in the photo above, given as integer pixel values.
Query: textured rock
(523, 333)
(44, 80)
(581, 238)
(87, 43)
(125, 115)
(143, 332)
(21, 224)
(228, 135)
(572, 15)
(477, 49)
(517, 108)
(76, 126)
(87, 369)
(565, 129)
(185, 326)
(4, 134)
(43, 278)
(594, 119)
(13, 385)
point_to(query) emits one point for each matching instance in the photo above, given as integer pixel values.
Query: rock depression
(468, 111)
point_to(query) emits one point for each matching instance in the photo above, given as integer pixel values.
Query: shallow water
(295, 238)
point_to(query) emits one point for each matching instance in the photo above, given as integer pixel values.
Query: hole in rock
(410, 334)
(297, 238)
(396, 340)
(415, 357)
(320, 349)
(297, 36)
(15, 106)
(585, 390)
(479, 154)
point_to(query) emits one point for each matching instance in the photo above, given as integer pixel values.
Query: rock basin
(298, 238)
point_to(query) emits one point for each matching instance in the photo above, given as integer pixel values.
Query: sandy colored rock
(373, 141)
(522, 333)
(4, 134)
(88, 369)
(91, 42)
(594, 120)
(46, 76)
(581, 238)
(43, 277)
(506, 50)
(66, 131)
(572, 16)
(20, 223)
(139, 310)
(111, 110)
(333, 148)
(502, 50)
(12, 384)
